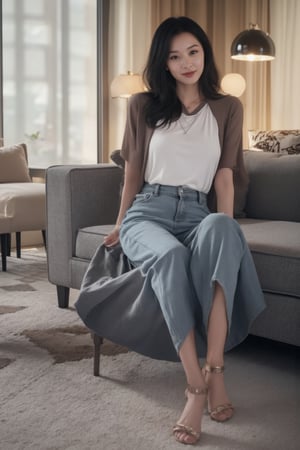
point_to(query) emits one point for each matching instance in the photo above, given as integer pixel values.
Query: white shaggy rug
(50, 399)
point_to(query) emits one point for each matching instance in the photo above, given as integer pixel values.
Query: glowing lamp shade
(125, 85)
(233, 84)
(253, 45)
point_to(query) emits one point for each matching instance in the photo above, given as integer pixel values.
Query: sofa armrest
(77, 197)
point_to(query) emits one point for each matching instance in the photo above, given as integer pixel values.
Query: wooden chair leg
(3, 251)
(18, 244)
(98, 341)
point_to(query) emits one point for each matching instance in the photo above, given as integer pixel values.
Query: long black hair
(164, 106)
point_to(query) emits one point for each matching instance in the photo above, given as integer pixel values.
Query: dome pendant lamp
(253, 45)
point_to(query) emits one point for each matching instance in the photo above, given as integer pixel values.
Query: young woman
(183, 141)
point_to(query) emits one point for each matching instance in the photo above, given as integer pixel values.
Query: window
(50, 79)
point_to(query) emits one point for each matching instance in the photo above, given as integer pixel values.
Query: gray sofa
(83, 201)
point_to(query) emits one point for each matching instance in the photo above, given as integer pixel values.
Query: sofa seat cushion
(89, 239)
(24, 204)
(275, 247)
(4, 224)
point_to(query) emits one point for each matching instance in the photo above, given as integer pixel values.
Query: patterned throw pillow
(276, 141)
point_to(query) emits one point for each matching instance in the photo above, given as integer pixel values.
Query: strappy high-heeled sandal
(182, 428)
(220, 409)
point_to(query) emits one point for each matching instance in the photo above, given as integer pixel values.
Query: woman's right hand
(113, 237)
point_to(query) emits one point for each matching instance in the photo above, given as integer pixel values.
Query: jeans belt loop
(180, 191)
(156, 189)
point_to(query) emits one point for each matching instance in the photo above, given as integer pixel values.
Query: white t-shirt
(186, 153)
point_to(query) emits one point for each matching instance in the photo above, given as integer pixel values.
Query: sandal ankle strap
(216, 369)
(197, 390)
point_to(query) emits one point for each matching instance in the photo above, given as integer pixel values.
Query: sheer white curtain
(50, 79)
(285, 72)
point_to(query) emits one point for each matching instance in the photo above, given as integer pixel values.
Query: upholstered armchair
(22, 202)
(82, 203)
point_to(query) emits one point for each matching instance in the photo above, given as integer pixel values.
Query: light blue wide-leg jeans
(170, 234)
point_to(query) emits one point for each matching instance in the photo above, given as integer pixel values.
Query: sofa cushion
(275, 247)
(89, 239)
(13, 164)
(24, 204)
(277, 141)
(274, 186)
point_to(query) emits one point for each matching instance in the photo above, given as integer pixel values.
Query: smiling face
(186, 59)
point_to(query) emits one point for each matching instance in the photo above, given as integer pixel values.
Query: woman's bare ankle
(214, 360)
(196, 380)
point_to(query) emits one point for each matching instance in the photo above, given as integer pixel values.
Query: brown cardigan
(228, 112)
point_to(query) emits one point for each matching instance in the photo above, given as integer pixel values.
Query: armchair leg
(98, 341)
(8, 244)
(18, 244)
(4, 239)
(63, 296)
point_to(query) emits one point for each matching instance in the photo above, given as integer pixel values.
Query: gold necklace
(185, 123)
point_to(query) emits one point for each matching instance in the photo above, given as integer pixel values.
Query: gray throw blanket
(117, 302)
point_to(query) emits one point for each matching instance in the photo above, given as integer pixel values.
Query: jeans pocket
(143, 197)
